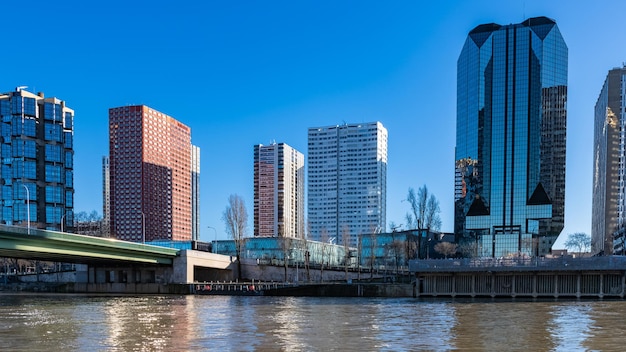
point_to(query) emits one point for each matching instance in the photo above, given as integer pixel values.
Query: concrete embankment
(345, 290)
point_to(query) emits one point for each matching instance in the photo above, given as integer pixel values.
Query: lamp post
(27, 206)
(62, 217)
(215, 240)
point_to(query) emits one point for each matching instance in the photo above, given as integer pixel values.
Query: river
(230, 323)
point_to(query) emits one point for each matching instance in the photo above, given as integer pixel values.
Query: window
(52, 132)
(69, 140)
(69, 178)
(53, 173)
(53, 153)
(69, 160)
(53, 194)
(69, 199)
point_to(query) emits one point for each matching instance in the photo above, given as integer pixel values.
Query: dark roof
(480, 34)
(540, 25)
(478, 208)
(539, 196)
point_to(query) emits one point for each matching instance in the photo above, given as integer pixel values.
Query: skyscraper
(347, 181)
(609, 158)
(278, 191)
(37, 161)
(150, 175)
(195, 192)
(510, 146)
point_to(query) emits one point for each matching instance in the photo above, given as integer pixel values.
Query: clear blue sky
(241, 73)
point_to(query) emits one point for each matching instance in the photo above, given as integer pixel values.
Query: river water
(225, 323)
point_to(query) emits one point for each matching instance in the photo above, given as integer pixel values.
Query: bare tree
(325, 249)
(286, 244)
(580, 241)
(372, 256)
(236, 218)
(425, 208)
(432, 220)
(307, 253)
(345, 238)
(446, 249)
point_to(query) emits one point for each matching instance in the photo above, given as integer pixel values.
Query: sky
(241, 73)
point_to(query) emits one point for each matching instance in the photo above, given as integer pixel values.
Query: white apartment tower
(347, 181)
(278, 191)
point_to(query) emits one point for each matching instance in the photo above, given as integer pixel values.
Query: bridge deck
(19, 242)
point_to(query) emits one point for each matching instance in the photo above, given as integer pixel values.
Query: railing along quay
(521, 264)
(597, 277)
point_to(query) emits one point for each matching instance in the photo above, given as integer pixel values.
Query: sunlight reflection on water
(200, 323)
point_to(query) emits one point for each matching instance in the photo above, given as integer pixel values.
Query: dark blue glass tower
(510, 137)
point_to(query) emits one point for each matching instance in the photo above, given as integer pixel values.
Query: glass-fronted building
(608, 219)
(37, 161)
(511, 128)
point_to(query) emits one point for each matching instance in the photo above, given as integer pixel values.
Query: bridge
(19, 242)
(114, 265)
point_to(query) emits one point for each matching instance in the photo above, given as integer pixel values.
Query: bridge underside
(34, 244)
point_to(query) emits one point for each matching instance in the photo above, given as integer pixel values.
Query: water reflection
(200, 323)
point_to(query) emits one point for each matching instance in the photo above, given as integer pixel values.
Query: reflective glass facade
(609, 170)
(510, 146)
(37, 161)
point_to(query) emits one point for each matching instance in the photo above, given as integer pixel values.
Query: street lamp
(62, 217)
(27, 206)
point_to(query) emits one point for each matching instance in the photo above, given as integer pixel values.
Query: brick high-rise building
(278, 191)
(150, 175)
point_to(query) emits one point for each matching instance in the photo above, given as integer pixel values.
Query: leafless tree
(395, 250)
(432, 221)
(425, 208)
(469, 249)
(236, 218)
(286, 244)
(446, 249)
(325, 251)
(345, 239)
(372, 252)
(307, 253)
(579, 240)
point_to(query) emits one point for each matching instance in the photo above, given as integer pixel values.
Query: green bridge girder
(36, 244)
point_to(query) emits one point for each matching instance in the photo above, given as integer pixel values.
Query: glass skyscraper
(510, 145)
(608, 217)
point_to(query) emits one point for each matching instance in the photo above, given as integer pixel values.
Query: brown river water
(236, 323)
